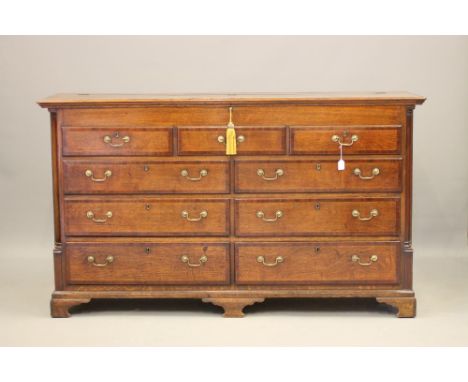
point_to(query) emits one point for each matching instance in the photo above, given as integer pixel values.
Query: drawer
(250, 140)
(317, 263)
(117, 141)
(298, 217)
(307, 175)
(148, 263)
(95, 176)
(355, 140)
(127, 216)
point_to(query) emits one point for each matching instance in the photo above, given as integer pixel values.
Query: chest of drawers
(148, 203)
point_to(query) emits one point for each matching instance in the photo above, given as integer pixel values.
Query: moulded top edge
(363, 98)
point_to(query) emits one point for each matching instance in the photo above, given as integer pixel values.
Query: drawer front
(297, 217)
(317, 175)
(250, 140)
(86, 176)
(148, 263)
(117, 141)
(355, 140)
(317, 263)
(113, 216)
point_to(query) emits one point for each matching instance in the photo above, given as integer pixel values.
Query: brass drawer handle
(109, 260)
(358, 172)
(202, 260)
(357, 259)
(337, 139)
(222, 139)
(373, 213)
(203, 215)
(90, 174)
(90, 215)
(109, 140)
(261, 173)
(185, 174)
(261, 215)
(278, 260)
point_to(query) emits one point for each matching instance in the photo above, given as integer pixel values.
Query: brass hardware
(90, 215)
(358, 172)
(317, 206)
(107, 174)
(147, 250)
(261, 215)
(357, 259)
(222, 139)
(202, 260)
(92, 260)
(203, 215)
(185, 174)
(109, 140)
(373, 213)
(278, 260)
(318, 166)
(337, 139)
(279, 172)
(147, 206)
(146, 168)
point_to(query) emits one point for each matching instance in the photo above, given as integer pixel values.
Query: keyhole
(317, 206)
(318, 166)
(317, 249)
(147, 207)
(147, 250)
(146, 168)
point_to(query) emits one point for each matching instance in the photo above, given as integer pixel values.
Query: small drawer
(250, 140)
(108, 176)
(353, 139)
(312, 217)
(321, 175)
(317, 263)
(148, 263)
(117, 141)
(127, 216)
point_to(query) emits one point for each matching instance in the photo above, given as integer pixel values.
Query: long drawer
(129, 216)
(317, 263)
(148, 263)
(317, 175)
(103, 176)
(297, 217)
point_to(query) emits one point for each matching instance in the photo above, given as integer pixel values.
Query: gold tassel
(231, 141)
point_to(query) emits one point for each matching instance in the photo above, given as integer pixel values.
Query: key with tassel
(231, 140)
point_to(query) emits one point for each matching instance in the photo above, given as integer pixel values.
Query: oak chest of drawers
(232, 198)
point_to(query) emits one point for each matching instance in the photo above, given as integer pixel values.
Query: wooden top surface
(363, 98)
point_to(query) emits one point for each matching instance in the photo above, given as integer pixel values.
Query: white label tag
(341, 165)
(341, 162)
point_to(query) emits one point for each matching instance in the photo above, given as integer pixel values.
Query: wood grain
(316, 234)
(316, 263)
(143, 140)
(149, 263)
(371, 140)
(146, 216)
(316, 216)
(319, 175)
(258, 140)
(145, 176)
